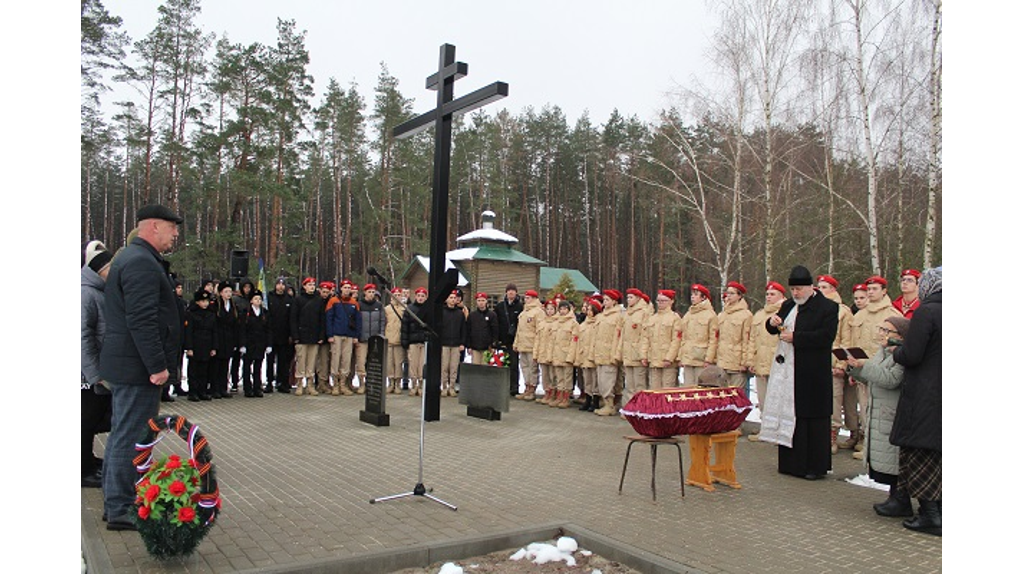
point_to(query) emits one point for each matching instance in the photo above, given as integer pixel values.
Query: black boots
(897, 505)
(929, 518)
(586, 404)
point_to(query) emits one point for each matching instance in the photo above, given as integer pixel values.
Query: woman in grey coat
(884, 377)
(95, 396)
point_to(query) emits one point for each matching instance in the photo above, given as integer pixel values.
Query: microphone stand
(419, 489)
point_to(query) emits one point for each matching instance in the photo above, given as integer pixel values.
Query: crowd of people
(871, 369)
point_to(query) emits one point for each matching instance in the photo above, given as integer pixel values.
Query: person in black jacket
(309, 329)
(279, 360)
(255, 344)
(798, 408)
(200, 345)
(141, 346)
(229, 338)
(452, 339)
(481, 330)
(917, 427)
(508, 311)
(414, 338)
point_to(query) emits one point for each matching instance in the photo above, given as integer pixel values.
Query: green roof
(549, 277)
(499, 253)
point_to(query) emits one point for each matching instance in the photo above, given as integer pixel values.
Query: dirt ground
(499, 563)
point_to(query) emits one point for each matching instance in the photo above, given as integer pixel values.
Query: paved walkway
(297, 475)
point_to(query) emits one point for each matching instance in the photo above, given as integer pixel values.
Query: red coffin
(678, 411)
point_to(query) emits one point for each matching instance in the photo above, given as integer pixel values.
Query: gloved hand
(269, 350)
(241, 350)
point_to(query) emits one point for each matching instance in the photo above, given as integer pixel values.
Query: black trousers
(513, 371)
(279, 363)
(236, 362)
(219, 375)
(200, 375)
(253, 371)
(95, 419)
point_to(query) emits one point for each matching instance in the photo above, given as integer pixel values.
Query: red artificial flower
(144, 512)
(173, 462)
(195, 497)
(177, 488)
(152, 492)
(192, 462)
(163, 474)
(186, 514)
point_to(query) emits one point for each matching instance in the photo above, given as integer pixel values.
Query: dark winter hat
(156, 211)
(91, 249)
(800, 276)
(902, 324)
(224, 285)
(511, 287)
(255, 293)
(100, 260)
(202, 295)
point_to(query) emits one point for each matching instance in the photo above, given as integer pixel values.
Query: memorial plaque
(484, 389)
(376, 357)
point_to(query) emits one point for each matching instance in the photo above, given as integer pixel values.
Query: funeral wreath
(177, 499)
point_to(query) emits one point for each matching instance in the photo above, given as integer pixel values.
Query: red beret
(309, 280)
(776, 286)
(481, 295)
(860, 287)
(596, 303)
(370, 286)
(532, 293)
(396, 291)
(327, 285)
(737, 286)
(667, 293)
(701, 288)
(635, 292)
(346, 282)
(828, 279)
(914, 272)
(612, 294)
(421, 290)
(645, 297)
(559, 297)
(876, 279)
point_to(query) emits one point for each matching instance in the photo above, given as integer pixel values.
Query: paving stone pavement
(297, 475)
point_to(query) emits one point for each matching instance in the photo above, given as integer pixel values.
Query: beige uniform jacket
(564, 340)
(864, 325)
(526, 333)
(542, 347)
(734, 325)
(634, 325)
(393, 322)
(606, 336)
(700, 336)
(763, 344)
(585, 344)
(662, 339)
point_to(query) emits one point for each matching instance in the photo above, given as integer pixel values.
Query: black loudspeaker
(448, 282)
(239, 262)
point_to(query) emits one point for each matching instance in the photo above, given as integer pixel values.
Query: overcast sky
(591, 55)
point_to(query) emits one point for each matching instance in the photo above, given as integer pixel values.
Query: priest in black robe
(803, 377)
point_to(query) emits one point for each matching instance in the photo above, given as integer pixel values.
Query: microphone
(372, 271)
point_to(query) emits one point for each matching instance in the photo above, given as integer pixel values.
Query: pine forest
(818, 142)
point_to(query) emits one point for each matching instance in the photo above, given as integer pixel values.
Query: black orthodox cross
(443, 82)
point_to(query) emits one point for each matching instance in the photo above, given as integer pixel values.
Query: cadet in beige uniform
(585, 353)
(700, 335)
(525, 341)
(393, 333)
(734, 325)
(662, 338)
(542, 352)
(864, 333)
(633, 361)
(564, 340)
(607, 329)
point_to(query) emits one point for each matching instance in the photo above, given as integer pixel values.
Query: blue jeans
(133, 406)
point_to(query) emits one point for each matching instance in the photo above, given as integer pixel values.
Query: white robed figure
(778, 417)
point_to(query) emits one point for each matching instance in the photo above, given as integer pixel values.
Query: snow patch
(450, 568)
(542, 553)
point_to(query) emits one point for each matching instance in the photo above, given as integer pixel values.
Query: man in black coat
(481, 329)
(799, 402)
(279, 360)
(508, 310)
(141, 346)
(917, 427)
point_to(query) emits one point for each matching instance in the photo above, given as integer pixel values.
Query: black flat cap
(800, 276)
(157, 212)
